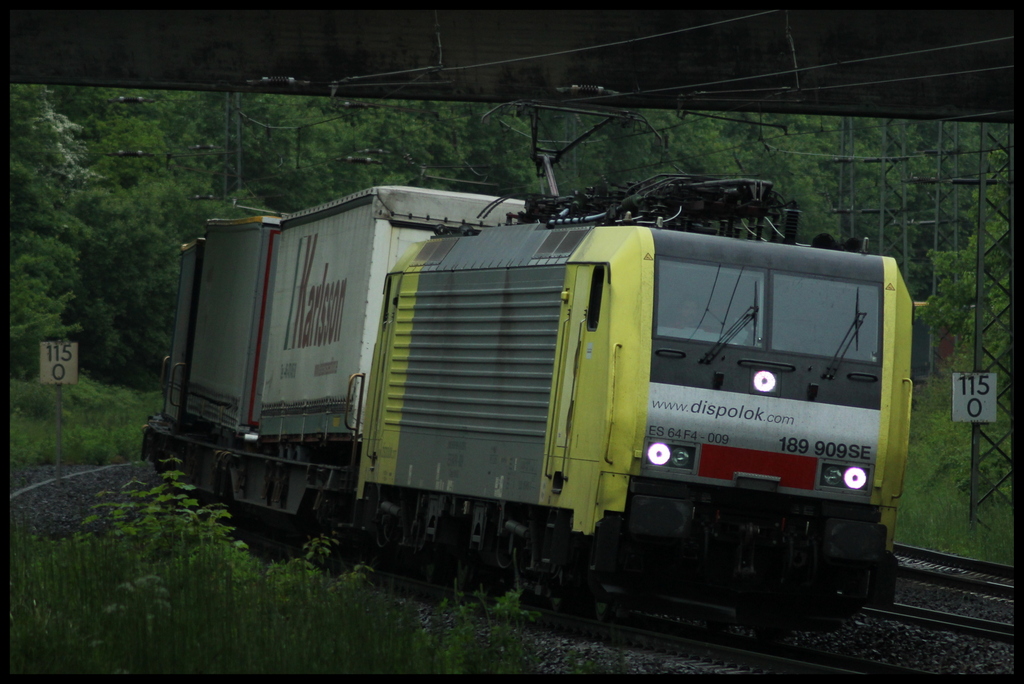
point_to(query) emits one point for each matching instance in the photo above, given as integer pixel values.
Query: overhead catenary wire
(908, 78)
(795, 71)
(761, 141)
(800, 70)
(611, 140)
(711, 153)
(482, 65)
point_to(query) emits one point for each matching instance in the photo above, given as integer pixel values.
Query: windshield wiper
(749, 315)
(852, 333)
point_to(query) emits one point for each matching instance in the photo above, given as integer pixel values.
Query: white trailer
(224, 383)
(331, 264)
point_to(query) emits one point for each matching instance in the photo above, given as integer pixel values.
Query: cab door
(581, 306)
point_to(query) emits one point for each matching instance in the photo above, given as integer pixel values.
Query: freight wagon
(273, 339)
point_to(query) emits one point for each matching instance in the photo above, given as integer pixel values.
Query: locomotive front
(651, 392)
(775, 435)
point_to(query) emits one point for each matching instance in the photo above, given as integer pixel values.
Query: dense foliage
(94, 235)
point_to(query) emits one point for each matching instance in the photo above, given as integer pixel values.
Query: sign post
(974, 397)
(58, 365)
(974, 402)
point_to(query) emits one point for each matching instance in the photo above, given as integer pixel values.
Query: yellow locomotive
(667, 418)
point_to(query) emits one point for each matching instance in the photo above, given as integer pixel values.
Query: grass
(94, 605)
(934, 510)
(101, 424)
(169, 591)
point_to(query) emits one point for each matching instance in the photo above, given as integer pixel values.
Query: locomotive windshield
(703, 301)
(815, 316)
(721, 304)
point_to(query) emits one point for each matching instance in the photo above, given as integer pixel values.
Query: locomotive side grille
(479, 353)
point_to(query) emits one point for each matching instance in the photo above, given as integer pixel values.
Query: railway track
(765, 655)
(705, 650)
(957, 572)
(947, 622)
(697, 648)
(725, 650)
(968, 574)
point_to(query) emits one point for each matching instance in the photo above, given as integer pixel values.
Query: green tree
(45, 168)
(129, 263)
(953, 308)
(953, 305)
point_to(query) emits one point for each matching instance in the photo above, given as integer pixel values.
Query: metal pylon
(892, 195)
(950, 229)
(992, 443)
(232, 144)
(846, 202)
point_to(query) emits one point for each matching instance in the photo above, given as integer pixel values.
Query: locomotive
(645, 397)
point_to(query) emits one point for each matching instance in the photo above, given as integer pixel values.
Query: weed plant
(486, 635)
(170, 591)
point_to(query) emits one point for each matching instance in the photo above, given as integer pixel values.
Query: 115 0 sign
(974, 397)
(58, 363)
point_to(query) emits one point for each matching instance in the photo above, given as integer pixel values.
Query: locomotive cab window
(710, 302)
(842, 315)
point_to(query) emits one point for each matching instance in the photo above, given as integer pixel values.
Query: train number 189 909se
(642, 397)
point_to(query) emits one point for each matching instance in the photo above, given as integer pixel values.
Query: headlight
(682, 456)
(764, 381)
(850, 477)
(659, 454)
(855, 478)
(831, 475)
